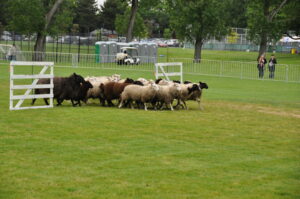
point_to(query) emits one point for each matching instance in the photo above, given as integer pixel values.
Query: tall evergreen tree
(86, 15)
(109, 10)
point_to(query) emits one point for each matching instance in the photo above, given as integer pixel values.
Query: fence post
(78, 48)
(74, 60)
(221, 67)
(241, 71)
(287, 73)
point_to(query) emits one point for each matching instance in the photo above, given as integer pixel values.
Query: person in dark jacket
(261, 65)
(272, 63)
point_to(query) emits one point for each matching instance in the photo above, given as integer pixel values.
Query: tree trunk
(39, 46)
(263, 43)
(198, 49)
(269, 16)
(263, 34)
(134, 7)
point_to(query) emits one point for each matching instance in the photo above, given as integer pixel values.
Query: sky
(100, 2)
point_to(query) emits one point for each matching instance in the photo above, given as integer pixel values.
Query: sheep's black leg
(126, 104)
(160, 105)
(46, 101)
(185, 105)
(178, 102)
(33, 100)
(153, 105)
(130, 105)
(109, 102)
(73, 104)
(102, 101)
(59, 101)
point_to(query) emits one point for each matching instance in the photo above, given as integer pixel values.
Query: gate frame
(167, 74)
(33, 85)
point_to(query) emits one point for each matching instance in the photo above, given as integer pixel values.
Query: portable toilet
(120, 45)
(101, 49)
(152, 52)
(112, 51)
(144, 53)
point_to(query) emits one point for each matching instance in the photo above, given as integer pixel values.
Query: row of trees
(192, 20)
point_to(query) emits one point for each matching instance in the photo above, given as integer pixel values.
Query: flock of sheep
(142, 92)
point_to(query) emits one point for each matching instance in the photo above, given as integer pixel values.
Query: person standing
(261, 65)
(272, 63)
(12, 53)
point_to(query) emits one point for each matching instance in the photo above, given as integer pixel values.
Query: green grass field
(244, 144)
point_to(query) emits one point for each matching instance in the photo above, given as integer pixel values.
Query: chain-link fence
(68, 43)
(235, 69)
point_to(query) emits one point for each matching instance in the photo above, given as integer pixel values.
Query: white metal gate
(43, 74)
(160, 66)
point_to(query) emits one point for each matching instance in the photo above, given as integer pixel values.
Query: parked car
(6, 38)
(173, 42)
(162, 44)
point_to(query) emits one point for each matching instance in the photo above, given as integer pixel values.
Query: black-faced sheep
(187, 90)
(64, 88)
(194, 94)
(81, 93)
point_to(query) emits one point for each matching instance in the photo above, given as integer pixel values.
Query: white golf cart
(128, 56)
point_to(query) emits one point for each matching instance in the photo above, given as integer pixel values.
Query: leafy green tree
(167, 33)
(134, 5)
(237, 13)
(3, 6)
(42, 17)
(292, 21)
(198, 20)
(109, 10)
(154, 13)
(265, 21)
(86, 15)
(139, 28)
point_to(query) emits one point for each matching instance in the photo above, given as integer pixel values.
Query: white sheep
(144, 81)
(167, 93)
(165, 82)
(138, 93)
